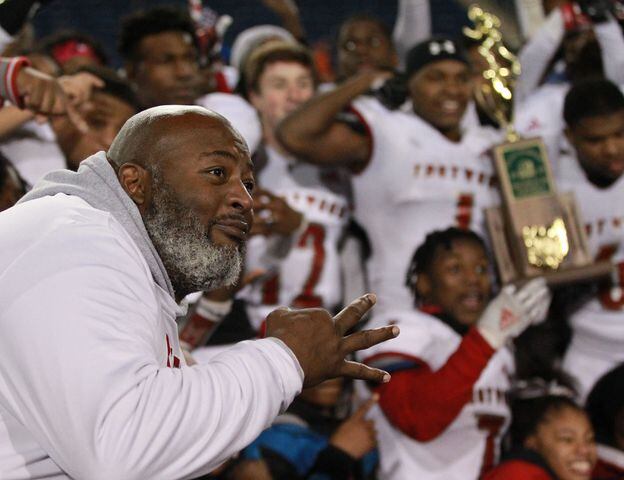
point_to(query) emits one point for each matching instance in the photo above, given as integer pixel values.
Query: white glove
(511, 312)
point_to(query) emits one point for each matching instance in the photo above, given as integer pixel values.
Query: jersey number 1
(463, 217)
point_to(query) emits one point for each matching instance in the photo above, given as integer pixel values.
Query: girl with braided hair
(443, 414)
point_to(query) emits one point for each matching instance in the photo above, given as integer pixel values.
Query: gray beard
(193, 262)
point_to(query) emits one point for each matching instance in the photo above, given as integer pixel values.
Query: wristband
(9, 69)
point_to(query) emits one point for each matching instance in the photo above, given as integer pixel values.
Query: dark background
(100, 18)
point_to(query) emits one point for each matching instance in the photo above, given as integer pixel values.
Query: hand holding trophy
(536, 231)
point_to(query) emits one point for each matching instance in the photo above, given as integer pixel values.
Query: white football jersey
(416, 181)
(541, 115)
(309, 274)
(473, 438)
(598, 326)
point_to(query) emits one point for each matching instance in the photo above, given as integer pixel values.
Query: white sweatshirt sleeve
(611, 40)
(413, 25)
(537, 54)
(82, 363)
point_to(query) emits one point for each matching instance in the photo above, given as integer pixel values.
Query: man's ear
(423, 286)
(137, 183)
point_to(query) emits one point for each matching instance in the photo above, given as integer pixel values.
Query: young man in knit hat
(414, 169)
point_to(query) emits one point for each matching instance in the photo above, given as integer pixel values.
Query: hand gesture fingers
(261, 195)
(356, 435)
(531, 289)
(43, 94)
(40, 91)
(263, 222)
(274, 214)
(32, 98)
(540, 297)
(353, 313)
(367, 338)
(50, 101)
(363, 409)
(76, 119)
(79, 87)
(539, 310)
(360, 371)
(318, 342)
(535, 299)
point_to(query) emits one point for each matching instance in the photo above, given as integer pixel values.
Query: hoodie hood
(96, 183)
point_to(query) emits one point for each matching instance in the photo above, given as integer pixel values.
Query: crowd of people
(375, 180)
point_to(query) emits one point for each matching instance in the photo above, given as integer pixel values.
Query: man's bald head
(143, 134)
(190, 175)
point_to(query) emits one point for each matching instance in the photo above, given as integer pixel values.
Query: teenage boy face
(282, 87)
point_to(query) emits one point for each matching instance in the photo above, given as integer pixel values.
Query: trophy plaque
(536, 231)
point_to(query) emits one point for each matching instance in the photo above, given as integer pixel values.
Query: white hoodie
(88, 381)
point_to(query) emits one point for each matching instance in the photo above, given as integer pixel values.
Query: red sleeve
(518, 470)
(423, 403)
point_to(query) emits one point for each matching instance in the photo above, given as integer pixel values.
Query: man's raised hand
(43, 94)
(319, 342)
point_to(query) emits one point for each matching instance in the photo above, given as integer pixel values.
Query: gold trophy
(536, 231)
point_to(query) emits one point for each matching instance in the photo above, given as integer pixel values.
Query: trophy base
(567, 276)
(537, 232)
(514, 270)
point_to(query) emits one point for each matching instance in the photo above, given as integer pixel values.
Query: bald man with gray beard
(93, 383)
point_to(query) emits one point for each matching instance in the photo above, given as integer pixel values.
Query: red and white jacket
(444, 412)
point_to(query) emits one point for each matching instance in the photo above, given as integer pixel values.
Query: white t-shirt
(92, 380)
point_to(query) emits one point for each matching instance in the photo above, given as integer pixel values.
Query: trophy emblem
(536, 231)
